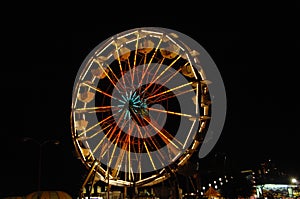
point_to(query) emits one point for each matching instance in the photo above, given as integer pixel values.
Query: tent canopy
(211, 192)
(49, 195)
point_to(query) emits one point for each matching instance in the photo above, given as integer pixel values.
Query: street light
(40, 144)
(294, 180)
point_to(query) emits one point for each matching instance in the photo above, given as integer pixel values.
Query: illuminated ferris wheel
(141, 106)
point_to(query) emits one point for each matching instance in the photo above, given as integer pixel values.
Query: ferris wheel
(141, 106)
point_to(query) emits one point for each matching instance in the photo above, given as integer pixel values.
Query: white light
(215, 182)
(294, 180)
(216, 187)
(278, 186)
(203, 188)
(209, 184)
(220, 179)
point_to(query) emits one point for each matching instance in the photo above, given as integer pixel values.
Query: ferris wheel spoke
(134, 60)
(167, 97)
(111, 133)
(131, 72)
(169, 79)
(116, 125)
(155, 51)
(95, 109)
(171, 112)
(114, 150)
(106, 148)
(157, 69)
(170, 90)
(153, 76)
(103, 146)
(120, 64)
(143, 70)
(100, 142)
(95, 125)
(153, 143)
(143, 60)
(94, 134)
(164, 134)
(115, 76)
(136, 50)
(155, 90)
(146, 146)
(129, 79)
(167, 68)
(104, 93)
(149, 155)
(106, 74)
(153, 55)
(118, 163)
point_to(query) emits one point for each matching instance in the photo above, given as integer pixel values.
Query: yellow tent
(212, 193)
(49, 195)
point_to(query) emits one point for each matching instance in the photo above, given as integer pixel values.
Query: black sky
(258, 69)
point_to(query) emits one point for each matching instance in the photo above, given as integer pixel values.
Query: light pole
(294, 181)
(40, 145)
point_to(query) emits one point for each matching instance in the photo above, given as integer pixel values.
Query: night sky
(258, 70)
